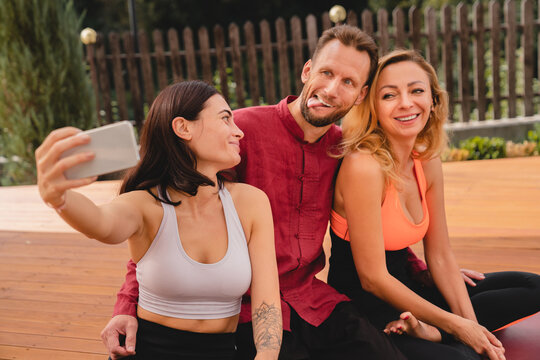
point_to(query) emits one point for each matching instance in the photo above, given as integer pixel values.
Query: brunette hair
(354, 37)
(362, 129)
(166, 160)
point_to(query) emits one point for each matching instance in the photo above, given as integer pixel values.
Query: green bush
(43, 81)
(484, 147)
(534, 136)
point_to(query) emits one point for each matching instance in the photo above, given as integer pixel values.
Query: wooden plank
(398, 17)
(432, 55)
(367, 22)
(494, 42)
(236, 57)
(18, 352)
(415, 27)
(527, 43)
(146, 68)
(189, 48)
(283, 58)
(119, 87)
(382, 25)
(90, 57)
(219, 40)
(52, 342)
(325, 21)
(352, 18)
(161, 63)
(204, 46)
(176, 61)
(298, 56)
(104, 78)
(447, 54)
(252, 63)
(462, 28)
(479, 63)
(311, 30)
(511, 46)
(268, 63)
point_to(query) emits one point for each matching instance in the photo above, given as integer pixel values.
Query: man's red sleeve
(128, 296)
(415, 264)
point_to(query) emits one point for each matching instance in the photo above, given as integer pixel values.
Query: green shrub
(484, 147)
(43, 81)
(534, 136)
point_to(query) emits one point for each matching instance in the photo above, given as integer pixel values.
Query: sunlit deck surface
(57, 288)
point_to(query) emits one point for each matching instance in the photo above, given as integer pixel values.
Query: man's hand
(117, 326)
(470, 275)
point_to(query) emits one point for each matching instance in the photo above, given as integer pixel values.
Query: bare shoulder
(362, 166)
(245, 195)
(433, 170)
(136, 197)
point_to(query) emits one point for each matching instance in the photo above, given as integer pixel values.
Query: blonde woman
(389, 195)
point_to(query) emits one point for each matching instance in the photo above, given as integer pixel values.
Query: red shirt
(298, 178)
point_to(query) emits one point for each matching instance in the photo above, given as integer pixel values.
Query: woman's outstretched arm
(111, 223)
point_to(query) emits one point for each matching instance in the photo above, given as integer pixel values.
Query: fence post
(219, 39)
(528, 55)
(432, 55)
(298, 53)
(479, 64)
(236, 57)
(494, 13)
(281, 39)
(251, 54)
(114, 43)
(268, 63)
(104, 78)
(399, 27)
(204, 45)
(463, 59)
(510, 19)
(382, 25)
(447, 53)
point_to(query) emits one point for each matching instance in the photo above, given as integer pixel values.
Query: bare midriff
(209, 326)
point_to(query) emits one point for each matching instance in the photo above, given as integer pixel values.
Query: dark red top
(298, 178)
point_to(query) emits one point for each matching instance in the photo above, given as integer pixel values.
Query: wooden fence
(487, 56)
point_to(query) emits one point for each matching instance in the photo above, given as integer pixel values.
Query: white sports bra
(173, 284)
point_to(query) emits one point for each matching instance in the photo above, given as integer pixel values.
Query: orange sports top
(398, 231)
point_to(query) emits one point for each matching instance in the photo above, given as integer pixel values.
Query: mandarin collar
(288, 120)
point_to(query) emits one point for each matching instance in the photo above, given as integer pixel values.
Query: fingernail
(130, 348)
(406, 317)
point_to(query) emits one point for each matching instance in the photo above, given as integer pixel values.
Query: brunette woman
(199, 241)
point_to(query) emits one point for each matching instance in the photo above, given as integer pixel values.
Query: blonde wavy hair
(361, 129)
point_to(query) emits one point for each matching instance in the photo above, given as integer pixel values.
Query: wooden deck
(57, 288)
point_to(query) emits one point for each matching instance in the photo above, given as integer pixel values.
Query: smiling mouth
(407, 118)
(316, 101)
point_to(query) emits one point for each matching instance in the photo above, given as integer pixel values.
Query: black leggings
(155, 341)
(497, 300)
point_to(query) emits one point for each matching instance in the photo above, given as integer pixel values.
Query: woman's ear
(181, 128)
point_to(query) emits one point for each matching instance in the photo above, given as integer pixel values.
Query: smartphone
(115, 148)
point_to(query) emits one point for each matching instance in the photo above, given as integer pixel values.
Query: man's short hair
(351, 36)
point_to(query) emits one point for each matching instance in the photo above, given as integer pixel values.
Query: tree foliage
(112, 15)
(43, 81)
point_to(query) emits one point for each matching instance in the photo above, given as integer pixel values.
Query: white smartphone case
(115, 148)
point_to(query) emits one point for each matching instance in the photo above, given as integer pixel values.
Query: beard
(320, 121)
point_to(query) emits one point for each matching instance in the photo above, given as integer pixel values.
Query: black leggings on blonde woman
(499, 299)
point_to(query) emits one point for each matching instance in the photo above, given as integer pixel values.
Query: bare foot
(410, 325)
